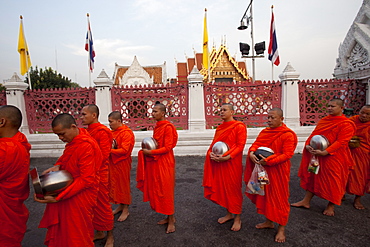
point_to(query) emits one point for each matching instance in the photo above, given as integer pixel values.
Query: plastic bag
(258, 180)
(314, 165)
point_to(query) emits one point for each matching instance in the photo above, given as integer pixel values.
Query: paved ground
(197, 218)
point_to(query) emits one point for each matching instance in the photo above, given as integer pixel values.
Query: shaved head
(161, 106)
(93, 109)
(278, 111)
(12, 114)
(231, 107)
(115, 115)
(65, 120)
(337, 101)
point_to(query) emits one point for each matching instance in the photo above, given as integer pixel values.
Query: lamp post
(243, 26)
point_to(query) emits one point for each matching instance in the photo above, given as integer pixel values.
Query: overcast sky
(308, 33)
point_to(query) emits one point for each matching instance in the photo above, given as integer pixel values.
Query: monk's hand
(224, 158)
(46, 199)
(320, 152)
(51, 169)
(253, 157)
(310, 149)
(146, 151)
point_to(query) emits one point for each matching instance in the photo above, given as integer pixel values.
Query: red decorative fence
(2, 98)
(251, 101)
(43, 105)
(315, 95)
(136, 103)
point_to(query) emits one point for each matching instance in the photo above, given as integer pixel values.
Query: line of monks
(99, 160)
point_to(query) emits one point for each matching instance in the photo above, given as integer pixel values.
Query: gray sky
(308, 33)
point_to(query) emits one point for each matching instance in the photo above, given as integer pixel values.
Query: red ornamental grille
(43, 105)
(315, 95)
(2, 98)
(251, 101)
(136, 103)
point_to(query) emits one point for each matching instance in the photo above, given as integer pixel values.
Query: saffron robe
(274, 204)
(103, 216)
(14, 189)
(120, 166)
(222, 181)
(69, 221)
(155, 174)
(358, 176)
(330, 182)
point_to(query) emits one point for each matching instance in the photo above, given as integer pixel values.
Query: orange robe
(103, 216)
(330, 182)
(222, 181)
(14, 189)
(358, 176)
(120, 166)
(274, 204)
(69, 221)
(156, 173)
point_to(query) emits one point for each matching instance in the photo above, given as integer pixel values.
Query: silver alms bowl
(149, 143)
(54, 182)
(220, 148)
(264, 151)
(319, 142)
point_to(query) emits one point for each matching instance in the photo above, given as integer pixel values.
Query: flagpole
(272, 71)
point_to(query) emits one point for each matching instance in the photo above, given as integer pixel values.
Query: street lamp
(259, 47)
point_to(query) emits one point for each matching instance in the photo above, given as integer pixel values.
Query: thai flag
(89, 47)
(273, 51)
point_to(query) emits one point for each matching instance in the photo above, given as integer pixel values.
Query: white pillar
(103, 97)
(15, 88)
(197, 119)
(290, 96)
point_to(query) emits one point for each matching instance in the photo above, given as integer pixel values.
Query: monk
(274, 204)
(120, 164)
(14, 167)
(156, 169)
(103, 217)
(222, 179)
(335, 161)
(357, 179)
(68, 216)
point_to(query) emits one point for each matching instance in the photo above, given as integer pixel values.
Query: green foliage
(2, 88)
(48, 78)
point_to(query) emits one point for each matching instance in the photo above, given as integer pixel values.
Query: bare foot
(226, 218)
(329, 210)
(99, 235)
(110, 239)
(162, 222)
(123, 216)
(118, 209)
(301, 204)
(357, 203)
(171, 224)
(265, 225)
(280, 236)
(237, 224)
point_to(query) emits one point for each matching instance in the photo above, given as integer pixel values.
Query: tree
(2, 88)
(48, 78)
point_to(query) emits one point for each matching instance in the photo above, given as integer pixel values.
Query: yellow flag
(23, 50)
(205, 43)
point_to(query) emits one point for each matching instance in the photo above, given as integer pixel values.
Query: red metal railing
(315, 95)
(251, 101)
(2, 97)
(136, 103)
(43, 105)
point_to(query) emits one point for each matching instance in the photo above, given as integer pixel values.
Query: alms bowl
(149, 143)
(264, 151)
(54, 182)
(220, 148)
(319, 142)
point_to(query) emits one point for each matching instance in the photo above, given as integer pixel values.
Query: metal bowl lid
(220, 148)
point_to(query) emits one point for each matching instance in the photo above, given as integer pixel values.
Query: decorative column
(15, 88)
(290, 96)
(197, 120)
(103, 97)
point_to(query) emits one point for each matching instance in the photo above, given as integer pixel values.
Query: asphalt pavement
(196, 217)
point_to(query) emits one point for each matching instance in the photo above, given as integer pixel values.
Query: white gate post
(15, 88)
(290, 96)
(197, 120)
(103, 97)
